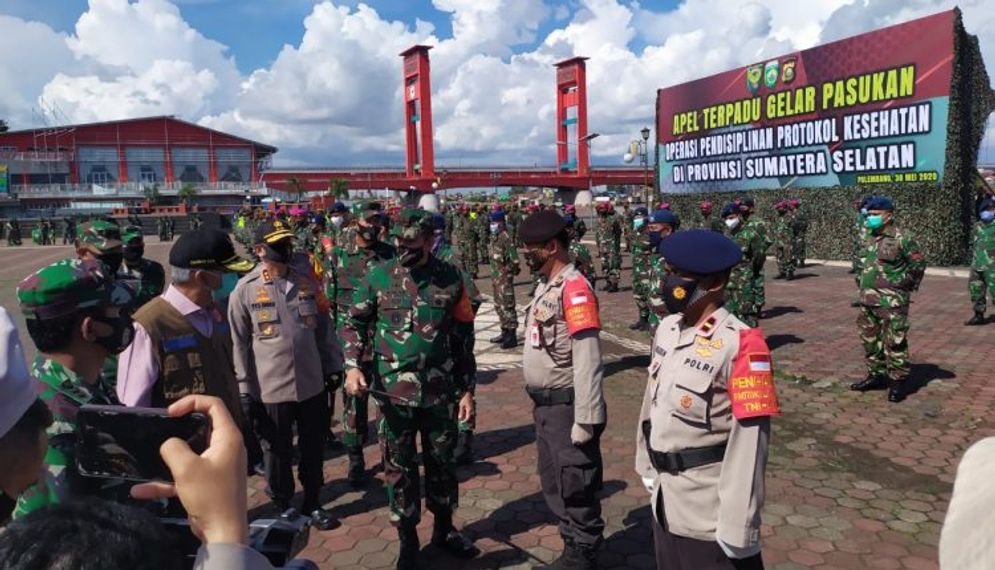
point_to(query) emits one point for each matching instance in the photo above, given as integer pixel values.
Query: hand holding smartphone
(123, 443)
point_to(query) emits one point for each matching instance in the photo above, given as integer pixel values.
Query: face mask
(279, 252)
(120, 338)
(987, 216)
(732, 223)
(410, 256)
(370, 234)
(655, 238)
(134, 253)
(495, 228)
(337, 221)
(535, 259)
(112, 261)
(638, 223)
(228, 282)
(679, 293)
(6, 507)
(874, 222)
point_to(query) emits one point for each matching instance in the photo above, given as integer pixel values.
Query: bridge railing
(132, 189)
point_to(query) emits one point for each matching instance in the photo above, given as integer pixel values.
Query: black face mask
(121, 337)
(134, 253)
(112, 261)
(370, 234)
(679, 293)
(655, 238)
(6, 508)
(410, 256)
(279, 252)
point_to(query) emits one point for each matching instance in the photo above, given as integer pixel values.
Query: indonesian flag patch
(751, 385)
(580, 307)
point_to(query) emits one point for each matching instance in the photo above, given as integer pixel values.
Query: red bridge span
(420, 173)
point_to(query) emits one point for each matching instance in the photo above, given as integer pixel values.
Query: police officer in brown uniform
(704, 429)
(283, 352)
(563, 374)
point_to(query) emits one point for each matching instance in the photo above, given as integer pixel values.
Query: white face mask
(337, 221)
(495, 227)
(731, 223)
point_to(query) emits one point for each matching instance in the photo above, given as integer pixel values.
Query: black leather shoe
(977, 319)
(898, 391)
(322, 520)
(870, 383)
(498, 338)
(455, 543)
(613, 288)
(332, 443)
(640, 325)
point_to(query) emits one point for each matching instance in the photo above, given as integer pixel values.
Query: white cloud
(335, 95)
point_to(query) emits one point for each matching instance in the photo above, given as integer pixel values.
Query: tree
(295, 185)
(3, 126)
(152, 194)
(186, 193)
(338, 188)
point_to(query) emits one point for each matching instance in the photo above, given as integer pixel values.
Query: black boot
(977, 319)
(499, 338)
(463, 454)
(641, 325)
(899, 391)
(407, 558)
(613, 288)
(510, 339)
(872, 382)
(332, 443)
(357, 468)
(446, 538)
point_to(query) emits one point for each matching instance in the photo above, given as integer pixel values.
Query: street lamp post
(640, 148)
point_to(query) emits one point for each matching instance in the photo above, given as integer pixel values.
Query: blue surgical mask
(638, 223)
(874, 221)
(228, 282)
(987, 216)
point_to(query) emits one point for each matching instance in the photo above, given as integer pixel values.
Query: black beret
(729, 209)
(880, 203)
(541, 227)
(701, 252)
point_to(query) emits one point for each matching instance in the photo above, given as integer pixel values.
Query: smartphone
(123, 443)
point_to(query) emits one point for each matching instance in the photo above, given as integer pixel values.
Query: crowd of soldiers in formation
(45, 231)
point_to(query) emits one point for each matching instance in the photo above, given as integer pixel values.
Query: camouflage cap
(131, 232)
(365, 209)
(67, 286)
(412, 223)
(100, 236)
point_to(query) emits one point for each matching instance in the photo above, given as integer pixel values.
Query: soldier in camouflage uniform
(982, 278)
(345, 269)
(483, 232)
(146, 277)
(101, 240)
(628, 232)
(608, 235)
(765, 239)
(415, 313)
(579, 254)
(663, 223)
(642, 258)
(13, 229)
(859, 236)
(707, 221)
(784, 242)
(799, 231)
(891, 269)
(443, 250)
(469, 243)
(75, 312)
(68, 230)
(740, 291)
(504, 268)
(514, 219)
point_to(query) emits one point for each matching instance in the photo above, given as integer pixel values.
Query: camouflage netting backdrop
(938, 215)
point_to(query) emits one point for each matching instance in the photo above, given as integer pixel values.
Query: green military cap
(365, 209)
(68, 286)
(99, 235)
(412, 223)
(131, 232)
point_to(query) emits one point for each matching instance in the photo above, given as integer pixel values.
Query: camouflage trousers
(355, 416)
(787, 259)
(801, 245)
(611, 262)
(504, 300)
(483, 246)
(399, 428)
(884, 334)
(739, 301)
(469, 254)
(641, 291)
(759, 293)
(980, 285)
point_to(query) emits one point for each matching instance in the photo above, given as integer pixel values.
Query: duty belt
(551, 396)
(678, 461)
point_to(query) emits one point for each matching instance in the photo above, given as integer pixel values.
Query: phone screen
(123, 443)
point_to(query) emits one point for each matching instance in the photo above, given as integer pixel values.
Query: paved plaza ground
(853, 481)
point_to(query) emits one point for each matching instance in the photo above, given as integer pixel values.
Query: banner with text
(863, 110)
(4, 186)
